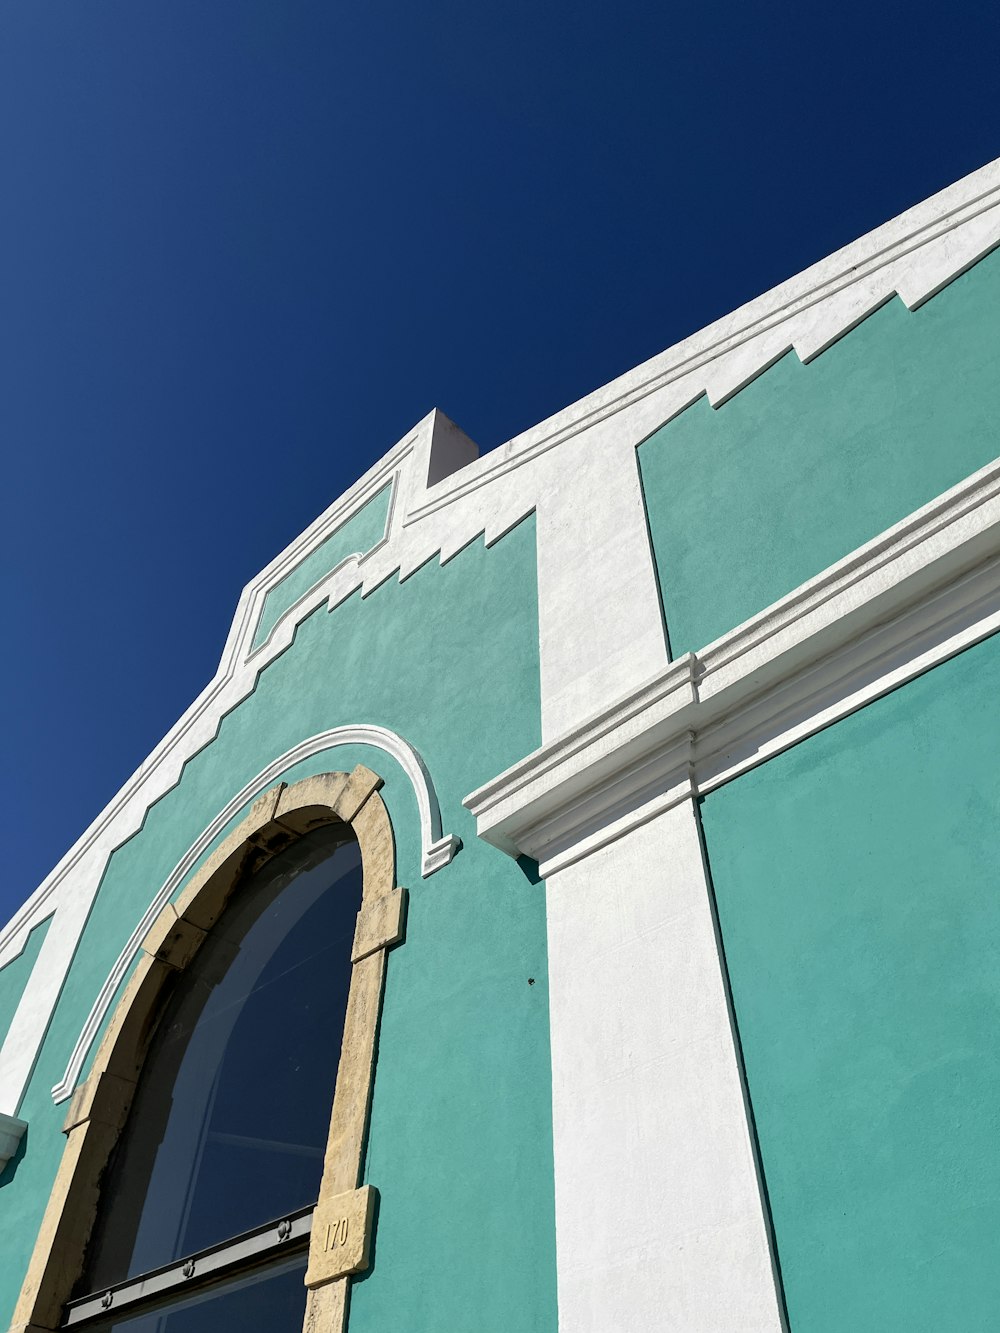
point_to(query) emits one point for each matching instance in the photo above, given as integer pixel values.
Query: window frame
(340, 1226)
(230, 1259)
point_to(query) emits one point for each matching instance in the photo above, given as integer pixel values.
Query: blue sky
(247, 243)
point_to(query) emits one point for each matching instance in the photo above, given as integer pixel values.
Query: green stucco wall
(808, 462)
(359, 534)
(857, 885)
(461, 1136)
(14, 975)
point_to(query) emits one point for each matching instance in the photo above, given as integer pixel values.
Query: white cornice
(912, 597)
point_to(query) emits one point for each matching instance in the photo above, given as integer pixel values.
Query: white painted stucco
(659, 1222)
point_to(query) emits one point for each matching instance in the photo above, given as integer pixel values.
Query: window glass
(229, 1124)
(272, 1301)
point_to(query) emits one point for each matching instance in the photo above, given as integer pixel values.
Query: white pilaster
(600, 628)
(20, 1048)
(659, 1220)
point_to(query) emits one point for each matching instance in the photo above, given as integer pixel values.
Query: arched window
(223, 1175)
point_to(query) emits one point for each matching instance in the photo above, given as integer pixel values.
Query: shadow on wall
(10, 1170)
(529, 869)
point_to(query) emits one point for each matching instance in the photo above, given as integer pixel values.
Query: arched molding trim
(99, 1109)
(436, 850)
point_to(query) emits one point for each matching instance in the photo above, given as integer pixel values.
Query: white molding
(11, 1134)
(914, 596)
(660, 1222)
(440, 853)
(324, 588)
(915, 255)
(437, 850)
(386, 472)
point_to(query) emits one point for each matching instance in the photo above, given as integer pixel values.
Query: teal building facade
(683, 709)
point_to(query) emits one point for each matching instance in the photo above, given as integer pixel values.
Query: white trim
(600, 630)
(385, 472)
(11, 1134)
(596, 645)
(436, 851)
(323, 589)
(439, 853)
(912, 597)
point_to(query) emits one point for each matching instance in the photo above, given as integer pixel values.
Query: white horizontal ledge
(11, 1134)
(913, 596)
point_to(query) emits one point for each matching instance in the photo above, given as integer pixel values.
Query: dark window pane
(229, 1125)
(269, 1301)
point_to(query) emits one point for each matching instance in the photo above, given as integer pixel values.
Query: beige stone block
(208, 891)
(381, 923)
(307, 804)
(341, 1236)
(265, 808)
(239, 854)
(274, 837)
(172, 939)
(57, 1260)
(126, 1038)
(360, 784)
(104, 1097)
(326, 1307)
(373, 830)
(345, 1143)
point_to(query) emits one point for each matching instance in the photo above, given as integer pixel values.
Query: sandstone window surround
(340, 1226)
